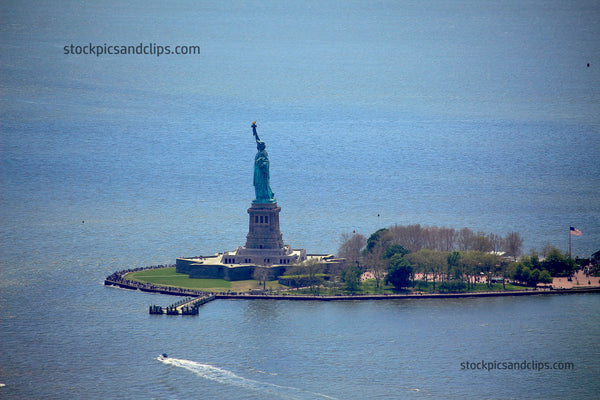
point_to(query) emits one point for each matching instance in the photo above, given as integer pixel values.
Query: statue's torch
(254, 131)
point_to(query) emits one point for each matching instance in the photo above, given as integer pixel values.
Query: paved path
(578, 281)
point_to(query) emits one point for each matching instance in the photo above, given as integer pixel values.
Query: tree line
(446, 259)
(437, 260)
(417, 237)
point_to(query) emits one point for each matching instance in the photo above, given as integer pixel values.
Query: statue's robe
(264, 194)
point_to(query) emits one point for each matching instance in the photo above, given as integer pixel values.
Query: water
(440, 114)
(228, 378)
(298, 350)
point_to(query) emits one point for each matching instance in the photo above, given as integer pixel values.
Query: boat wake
(225, 377)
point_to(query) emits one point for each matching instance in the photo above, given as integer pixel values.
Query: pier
(187, 306)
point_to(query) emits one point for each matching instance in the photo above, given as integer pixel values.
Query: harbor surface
(435, 113)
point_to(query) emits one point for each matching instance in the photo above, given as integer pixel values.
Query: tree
(547, 249)
(376, 263)
(351, 247)
(395, 249)
(558, 264)
(506, 273)
(373, 254)
(400, 272)
(481, 243)
(487, 263)
(545, 277)
(473, 264)
(453, 261)
(410, 237)
(533, 261)
(513, 243)
(378, 245)
(351, 278)
(525, 276)
(417, 260)
(261, 275)
(527, 271)
(465, 239)
(496, 241)
(447, 238)
(381, 237)
(430, 262)
(534, 277)
(310, 268)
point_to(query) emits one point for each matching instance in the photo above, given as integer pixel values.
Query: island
(397, 262)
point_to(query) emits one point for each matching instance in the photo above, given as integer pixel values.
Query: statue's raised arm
(254, 131)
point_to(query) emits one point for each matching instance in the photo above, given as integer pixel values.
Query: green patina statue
(263, 191)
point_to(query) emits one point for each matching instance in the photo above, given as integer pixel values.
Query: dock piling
(187, 306)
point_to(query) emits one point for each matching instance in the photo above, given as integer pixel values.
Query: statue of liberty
(263, 191)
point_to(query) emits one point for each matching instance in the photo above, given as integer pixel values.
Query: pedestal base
(263, 231)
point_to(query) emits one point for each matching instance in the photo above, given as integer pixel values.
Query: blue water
(443, 113)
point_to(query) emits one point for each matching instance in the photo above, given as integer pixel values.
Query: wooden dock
(187, 306)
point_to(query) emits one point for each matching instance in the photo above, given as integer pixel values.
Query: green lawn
(168, 277)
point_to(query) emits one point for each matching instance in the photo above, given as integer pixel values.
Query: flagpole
(570, 243)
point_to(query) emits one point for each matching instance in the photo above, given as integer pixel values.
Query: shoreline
(117, 280)
(407, 296)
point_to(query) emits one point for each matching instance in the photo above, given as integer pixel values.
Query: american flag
(575, 231)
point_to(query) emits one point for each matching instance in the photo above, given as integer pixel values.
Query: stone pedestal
(263, 232)
(265, 253)
(264, 241)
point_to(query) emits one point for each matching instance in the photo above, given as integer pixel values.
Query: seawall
(407, 296)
